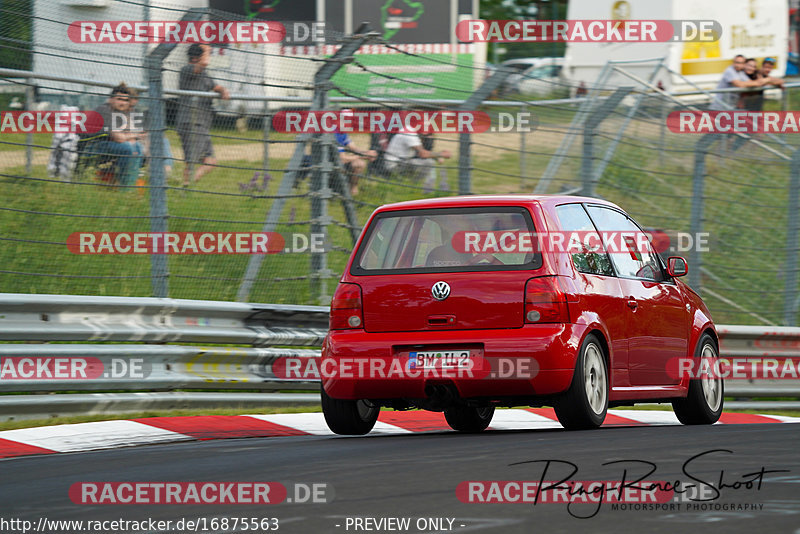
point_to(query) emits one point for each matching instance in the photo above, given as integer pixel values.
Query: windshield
(448, 240)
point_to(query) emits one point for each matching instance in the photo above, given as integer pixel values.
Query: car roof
(490, 200)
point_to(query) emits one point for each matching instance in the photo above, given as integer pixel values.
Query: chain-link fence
(613, 144)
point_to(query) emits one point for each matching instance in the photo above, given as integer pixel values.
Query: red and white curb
(112, 434)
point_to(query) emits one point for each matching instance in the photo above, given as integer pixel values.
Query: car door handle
(632, 304)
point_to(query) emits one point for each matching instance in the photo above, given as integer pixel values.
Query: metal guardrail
(151, 323)
(168, 341)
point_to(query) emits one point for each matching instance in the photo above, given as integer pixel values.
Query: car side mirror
(677, 266)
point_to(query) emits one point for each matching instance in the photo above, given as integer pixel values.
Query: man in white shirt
(406, 154)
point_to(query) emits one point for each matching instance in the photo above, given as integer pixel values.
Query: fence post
(698, 198)
(159, 271)
(523, 147)
(158, 188)
(612, 147)
(323, 153)
(575, 126)
(267, 126)
(321, 83)
(465, 143)
(29, 104)
(588, 176)
(792, 229)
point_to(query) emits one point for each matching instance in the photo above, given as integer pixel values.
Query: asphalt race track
(416, 475)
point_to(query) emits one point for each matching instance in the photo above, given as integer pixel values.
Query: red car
(464, 304)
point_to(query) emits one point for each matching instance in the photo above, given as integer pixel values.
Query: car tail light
(545, 302)
(346, 308)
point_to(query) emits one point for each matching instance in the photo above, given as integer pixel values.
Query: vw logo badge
(440, 290)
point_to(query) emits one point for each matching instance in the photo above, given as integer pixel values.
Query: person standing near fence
(734, 76)
(195, 115)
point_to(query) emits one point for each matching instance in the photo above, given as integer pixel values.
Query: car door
(656, 312)
(599, 289)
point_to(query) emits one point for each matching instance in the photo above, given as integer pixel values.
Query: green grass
(745, 213)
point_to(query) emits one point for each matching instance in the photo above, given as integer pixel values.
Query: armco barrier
(171, 344)
(147, 362)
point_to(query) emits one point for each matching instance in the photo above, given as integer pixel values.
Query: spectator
(749, 100)
(119, 141)
(354, 160)
(766, 69)
(734, 76)
(407, 154)
(140, 119)
(194, 121)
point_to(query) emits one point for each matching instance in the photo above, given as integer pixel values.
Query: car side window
(574, 220)
(633, 256)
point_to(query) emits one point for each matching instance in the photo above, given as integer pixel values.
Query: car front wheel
(349, 417)
(703, 403)
(585, 403)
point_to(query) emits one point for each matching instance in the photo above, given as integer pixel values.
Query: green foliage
(16, 34)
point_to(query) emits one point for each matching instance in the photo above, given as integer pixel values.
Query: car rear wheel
(703, 404)
(585, 403)
(468, 419)
(349, 417)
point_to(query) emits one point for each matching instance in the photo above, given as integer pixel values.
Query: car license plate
(440, 359)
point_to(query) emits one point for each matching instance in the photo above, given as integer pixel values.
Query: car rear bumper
(534, 360)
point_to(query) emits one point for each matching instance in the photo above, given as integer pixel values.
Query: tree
(16, 34)
(525, 9)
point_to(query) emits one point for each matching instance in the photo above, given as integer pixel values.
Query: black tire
(349, 417)
(468, 419)
(584, 405)
(704, 402)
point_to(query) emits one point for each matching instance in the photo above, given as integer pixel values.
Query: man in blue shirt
(353, 158)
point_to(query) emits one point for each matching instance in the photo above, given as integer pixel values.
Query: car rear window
(448, 240)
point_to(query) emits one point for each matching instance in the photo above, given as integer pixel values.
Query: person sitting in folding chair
(354, 160)
(407, 154)
(119, 140)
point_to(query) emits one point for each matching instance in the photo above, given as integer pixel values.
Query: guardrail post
(698, 199)
(465, 142)
(792, 230)
(588, 176)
